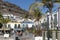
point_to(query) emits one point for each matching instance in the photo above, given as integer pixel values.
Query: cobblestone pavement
(24, 37)
(9, 38)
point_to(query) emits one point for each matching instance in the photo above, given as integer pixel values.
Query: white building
(13, 25)
(23, 23)
(55, 19)
(12, 17)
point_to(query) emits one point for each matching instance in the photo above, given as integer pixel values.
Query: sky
(24, 4)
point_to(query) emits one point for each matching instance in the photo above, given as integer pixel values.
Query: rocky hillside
(11, 8)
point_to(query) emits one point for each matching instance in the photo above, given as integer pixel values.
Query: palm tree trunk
(48, 35)
(48, 29)
(53, 31)
(43, 34)
(52, 25)
(54, 35)
(58, 34)
(4, 28)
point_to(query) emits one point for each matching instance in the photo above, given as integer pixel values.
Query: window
(23, 25)
(26, 25)
(15, 26)
(1, 25)
(9, 26)
(18, 25)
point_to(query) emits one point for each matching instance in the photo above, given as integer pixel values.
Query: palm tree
(37, 15)
(34, 5)
(49, 5)
(26, 16)
(4, 20)
(1, 19)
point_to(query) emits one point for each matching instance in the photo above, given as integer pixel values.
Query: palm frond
(57, 1)
(34, 5)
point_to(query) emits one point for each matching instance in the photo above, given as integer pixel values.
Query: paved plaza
(24, 37)
(3, 38)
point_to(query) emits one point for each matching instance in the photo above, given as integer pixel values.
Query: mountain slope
(11, 8)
